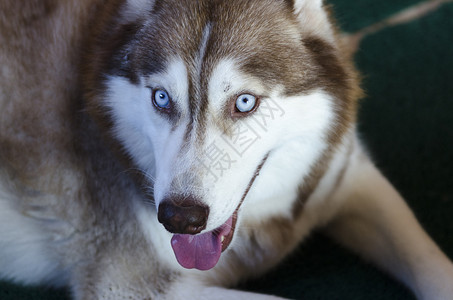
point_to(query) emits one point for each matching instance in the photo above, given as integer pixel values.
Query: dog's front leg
(375, 221)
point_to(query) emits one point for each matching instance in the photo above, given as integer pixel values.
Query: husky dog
(167, 149)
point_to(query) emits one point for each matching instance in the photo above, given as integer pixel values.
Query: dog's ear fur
(313, 18)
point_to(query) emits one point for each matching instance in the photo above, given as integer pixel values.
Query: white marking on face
(296, 137)
(295, 140)
(131, 106)
(299, 138)
(202, 49)
(149, 137)
(174, 81)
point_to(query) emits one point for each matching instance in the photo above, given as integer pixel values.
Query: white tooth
(222, 238)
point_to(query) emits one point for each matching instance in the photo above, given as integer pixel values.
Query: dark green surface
(321, 270)
(408, 119)
(355, 15)
(407, 123)
(10, 291)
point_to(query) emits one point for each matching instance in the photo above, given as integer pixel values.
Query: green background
(407, 123)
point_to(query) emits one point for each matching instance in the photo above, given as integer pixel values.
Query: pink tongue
(200, 251)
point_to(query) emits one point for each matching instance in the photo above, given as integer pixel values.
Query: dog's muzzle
(186, 218)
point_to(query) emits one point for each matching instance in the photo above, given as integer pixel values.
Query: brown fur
(44, 128)
(61, 168)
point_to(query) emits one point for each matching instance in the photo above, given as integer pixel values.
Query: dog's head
(204, 95)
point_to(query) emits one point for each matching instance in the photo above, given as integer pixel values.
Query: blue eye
(245, 103)
(161, 99)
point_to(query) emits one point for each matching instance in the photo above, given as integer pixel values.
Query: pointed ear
(314, 18)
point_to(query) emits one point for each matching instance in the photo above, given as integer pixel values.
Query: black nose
(183, 215)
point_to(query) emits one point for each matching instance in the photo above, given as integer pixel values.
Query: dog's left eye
(246, 103)
(161, 99)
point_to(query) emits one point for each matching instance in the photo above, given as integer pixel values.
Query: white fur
(129, 106)
(174, 81)
(294, 140)
(302, 144)
(147, 135)
(160, 239)
(24, 251)
(202, 49)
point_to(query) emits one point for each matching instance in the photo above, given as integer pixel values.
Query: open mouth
(202, 251)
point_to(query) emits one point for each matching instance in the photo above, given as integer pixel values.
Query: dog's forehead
(183, 20)
(262, 36)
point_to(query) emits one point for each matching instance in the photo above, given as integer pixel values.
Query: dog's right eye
(161, 99)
